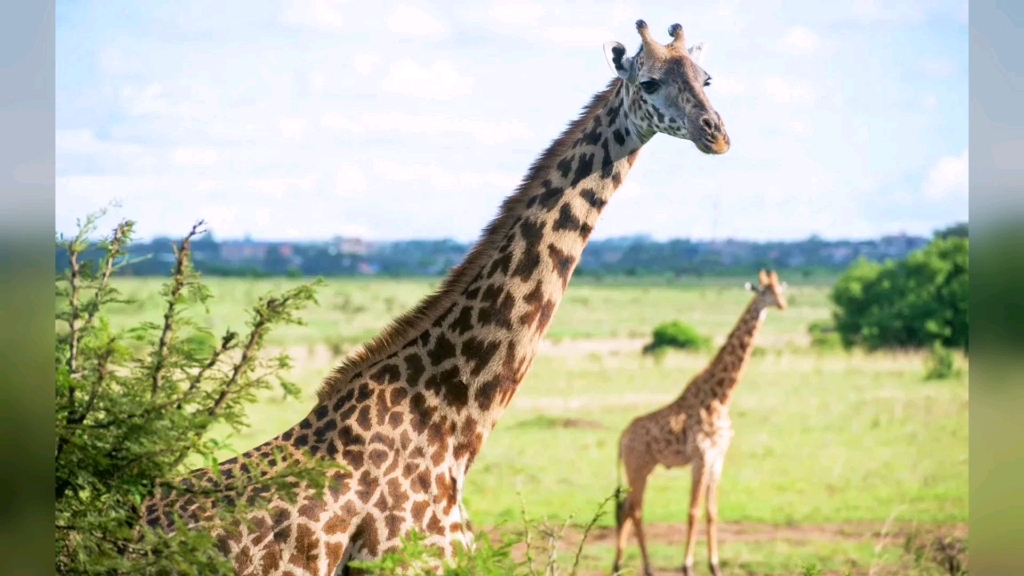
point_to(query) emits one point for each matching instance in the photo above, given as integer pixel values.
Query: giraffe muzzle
(713, 139)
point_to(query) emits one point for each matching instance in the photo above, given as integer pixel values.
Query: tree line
(627, 256)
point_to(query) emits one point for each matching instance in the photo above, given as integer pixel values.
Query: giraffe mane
(408, 325)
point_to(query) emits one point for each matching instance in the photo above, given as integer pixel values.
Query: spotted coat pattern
(694, 429)
(409, 412)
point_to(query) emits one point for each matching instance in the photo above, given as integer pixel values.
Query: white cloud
(947, 179)
(441, 81)
(365, 63)
(930, 101)
(292, 128)
(323, 14)
(785, 92)
(726, 85)
(99, 190)
(85, 142)
(190, 156)
(411, 21)
(443, 180)
(277, 187)
(219, 217)
(349, 179)
(798, 127)
(145, 100)
(517, 13)
(485, 132)
(800, 40)
(937, 67)
(578, 36)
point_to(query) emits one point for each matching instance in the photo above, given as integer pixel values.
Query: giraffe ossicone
(408, 412)
(695, 430)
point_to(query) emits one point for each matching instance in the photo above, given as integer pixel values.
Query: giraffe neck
(727, 366)
(454, 362)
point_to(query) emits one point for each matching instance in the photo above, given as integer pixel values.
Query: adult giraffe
(409, 412)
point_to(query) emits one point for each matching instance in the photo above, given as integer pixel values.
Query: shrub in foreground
(134, 406)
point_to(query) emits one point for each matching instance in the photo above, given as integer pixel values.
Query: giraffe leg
(697, 488)
(714, 477)
(623, 524)
(637, 517)
(631, 515)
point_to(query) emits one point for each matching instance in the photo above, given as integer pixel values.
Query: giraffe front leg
(697, 487)
(714, 477)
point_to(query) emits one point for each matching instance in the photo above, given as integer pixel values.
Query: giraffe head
(665, 89)
(770, 290)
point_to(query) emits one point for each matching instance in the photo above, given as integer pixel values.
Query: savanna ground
(841, 463)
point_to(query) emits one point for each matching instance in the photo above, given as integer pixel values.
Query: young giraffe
(409, 412)
(693, 429)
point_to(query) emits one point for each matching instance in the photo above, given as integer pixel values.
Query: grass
(823, 438)
(353, 310)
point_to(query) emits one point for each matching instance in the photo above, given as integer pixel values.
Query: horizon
(269, 240)
(303, 119)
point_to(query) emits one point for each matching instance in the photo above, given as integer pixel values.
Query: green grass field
(837, 457)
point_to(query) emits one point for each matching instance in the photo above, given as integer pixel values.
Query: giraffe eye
(650, 86)
(707, 82)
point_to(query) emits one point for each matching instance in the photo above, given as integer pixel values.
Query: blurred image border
(27, 165)
(997, 305)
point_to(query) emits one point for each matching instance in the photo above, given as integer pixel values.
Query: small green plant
(823, 335)
(415, 558)
(940, 363)
(676, 334)
(811, 569)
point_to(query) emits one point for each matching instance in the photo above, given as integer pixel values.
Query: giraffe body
(694, 430)
(409, 412)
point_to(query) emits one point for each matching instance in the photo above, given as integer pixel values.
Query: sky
(309, 119)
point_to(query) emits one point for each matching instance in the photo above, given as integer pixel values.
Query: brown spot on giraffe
(409, 411)
(694, 430)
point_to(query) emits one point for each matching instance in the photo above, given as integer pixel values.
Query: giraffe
(408, 412)
(693, 429)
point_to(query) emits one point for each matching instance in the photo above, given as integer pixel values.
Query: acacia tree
(134, 405)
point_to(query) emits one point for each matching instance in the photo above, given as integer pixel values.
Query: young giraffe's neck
(725, 369)
(456, 359)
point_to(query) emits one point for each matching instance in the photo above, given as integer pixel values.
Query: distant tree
(958, 230)
(914, 302)
(133, 409)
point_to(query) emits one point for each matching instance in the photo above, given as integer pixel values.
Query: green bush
(940, 364)
(133, 407)
(907, 303)
(676, 334)
(823, 335)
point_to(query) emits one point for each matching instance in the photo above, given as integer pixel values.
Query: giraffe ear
(748, 286)
(615, 54)
(698, 52)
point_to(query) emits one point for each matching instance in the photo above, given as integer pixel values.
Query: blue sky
(306, 119)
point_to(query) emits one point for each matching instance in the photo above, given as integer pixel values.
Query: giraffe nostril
(709, 124)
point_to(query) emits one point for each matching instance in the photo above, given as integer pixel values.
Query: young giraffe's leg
(636, 514)
(697, 489)
(623, 524)
(638, 468)
(714, 477)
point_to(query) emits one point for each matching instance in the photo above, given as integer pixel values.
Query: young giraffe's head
(771, 291)
(665, 89)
